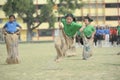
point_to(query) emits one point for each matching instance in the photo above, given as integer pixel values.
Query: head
(70, 18)
(100, 27)
(11, 18)
(87, 20)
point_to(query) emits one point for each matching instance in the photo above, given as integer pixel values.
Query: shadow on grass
(7, 64)
(111, 64)
(4, 64)
(53, 69)
(73, 59)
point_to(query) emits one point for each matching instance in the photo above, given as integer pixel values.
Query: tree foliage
(27, 10)
(69, 6)
(47, 13)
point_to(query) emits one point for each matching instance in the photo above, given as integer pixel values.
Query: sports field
(37, 63)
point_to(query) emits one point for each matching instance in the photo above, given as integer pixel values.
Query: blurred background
(39, 18)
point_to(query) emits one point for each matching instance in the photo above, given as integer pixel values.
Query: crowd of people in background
(106, 36)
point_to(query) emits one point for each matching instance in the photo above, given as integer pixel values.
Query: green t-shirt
(78, 33)
(88, 30)
(118, 28)
(70, 29)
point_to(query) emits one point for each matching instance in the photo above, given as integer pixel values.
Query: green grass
(37, 63)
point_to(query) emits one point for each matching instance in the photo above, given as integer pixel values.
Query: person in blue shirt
(11, 31)
(107, 34)
(100, 35)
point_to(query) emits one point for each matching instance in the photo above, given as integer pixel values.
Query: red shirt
(113, 31)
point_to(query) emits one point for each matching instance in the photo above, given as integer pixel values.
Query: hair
(70, 15)
(89, 19)
(12, 16)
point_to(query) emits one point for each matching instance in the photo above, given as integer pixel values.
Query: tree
(69, 6)
(47, 13)
(26, 10)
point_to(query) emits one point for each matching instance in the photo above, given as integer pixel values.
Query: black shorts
(113, 38)
(100, 37)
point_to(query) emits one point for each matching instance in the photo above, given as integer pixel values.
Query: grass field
(37, 63)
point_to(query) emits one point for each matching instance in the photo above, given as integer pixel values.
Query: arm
(117, 30)
(82, 28)
(60, 25)
(4, 30)
(19, 30)
(93, 34)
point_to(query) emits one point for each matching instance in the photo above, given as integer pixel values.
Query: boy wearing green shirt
(88, 37)
(65, 43)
